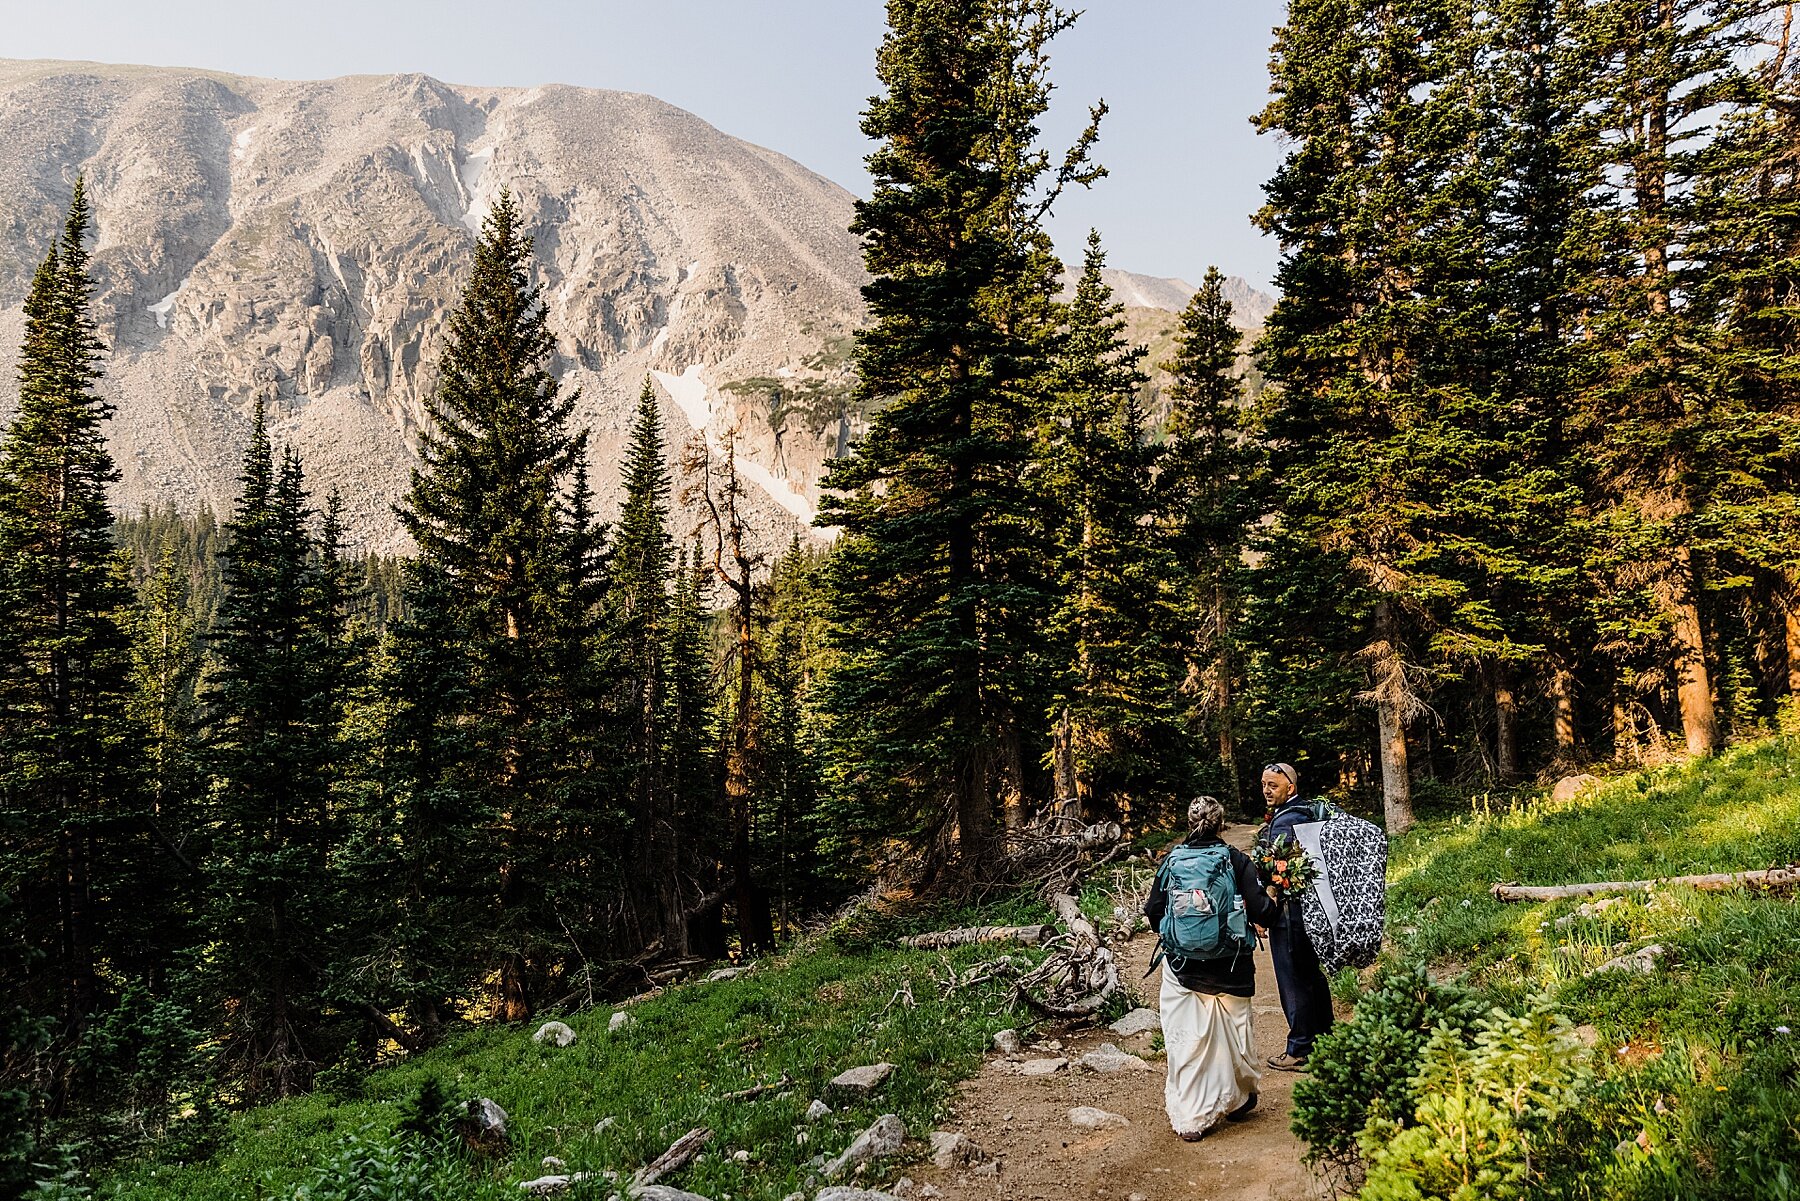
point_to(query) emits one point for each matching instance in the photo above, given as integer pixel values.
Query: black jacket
(1234, 977)
(1296, 811)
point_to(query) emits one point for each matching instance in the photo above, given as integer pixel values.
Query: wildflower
(1782, 1030)
(1467, 903)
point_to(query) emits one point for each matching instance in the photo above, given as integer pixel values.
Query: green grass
(1694, 1055)
(808, 1014)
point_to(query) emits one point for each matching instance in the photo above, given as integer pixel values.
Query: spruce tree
(938, 587)
(274, 701)
(642, 612)
(1210, 481)
(1117, 746)
(72, 817)
(496, 513)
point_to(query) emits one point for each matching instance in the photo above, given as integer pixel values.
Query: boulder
(1007, 1042)
(1043, 1067)
(620, 1021)
(818, 1111)
(860, 1082)
(545, 1186)
(1641, 963)
(1570, 787)
(1138, 1021)
(1089, 1118)
(952, 1149)
(1110, 1059)
(885, 1137)
(483, 1122)
(555, 1033)
(726, 973)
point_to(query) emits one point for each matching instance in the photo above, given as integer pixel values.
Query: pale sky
(1183, 78)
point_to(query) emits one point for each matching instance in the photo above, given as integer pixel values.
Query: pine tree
(1210, 480)
(937, 587)
(74, 824)
(492, 512)
(1117, 745)
(642, 616)
(1378, 208)
(275, 703)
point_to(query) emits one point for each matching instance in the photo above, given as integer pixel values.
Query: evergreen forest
(1517, 496)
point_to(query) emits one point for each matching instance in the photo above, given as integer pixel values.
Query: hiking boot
(1243, 1111)
(1288, 1063)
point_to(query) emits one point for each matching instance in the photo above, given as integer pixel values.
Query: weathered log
(677, 1156)
(1028, 935)
(744, 1094)
(1082, 977)
(1771, 880)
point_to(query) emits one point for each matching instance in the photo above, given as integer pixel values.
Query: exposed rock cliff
(304, 243)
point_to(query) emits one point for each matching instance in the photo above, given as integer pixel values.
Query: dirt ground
(1023, 1121)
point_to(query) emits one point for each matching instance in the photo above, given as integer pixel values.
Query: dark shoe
(1242, 1111)
(1287, 1063)
(1192, 1136)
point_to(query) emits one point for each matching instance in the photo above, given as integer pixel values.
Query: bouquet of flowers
(1287, 867)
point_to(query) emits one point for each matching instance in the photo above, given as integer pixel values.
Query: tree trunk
(1790, 616)
(1062, 750)
(1388, 673)
(1693, 682)
(1625, 731)
(1564, 732)
(1222, 696)
(1506, 724)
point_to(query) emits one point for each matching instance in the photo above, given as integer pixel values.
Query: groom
(1305, 993)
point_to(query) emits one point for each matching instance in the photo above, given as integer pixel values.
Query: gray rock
(605, 1124)
(555, 1033)
(844, 1192)
(1108, 1058)
(817, 1111)
(903, 1187)
(1089, 1118)
(551, 1163)
(930, 1190)
(725, 973)
(862, 1081)
(620, 1021)
(953, 1149)
(1138, 1021)
(886, 1136)
(1007, 1042)
(486, 1117)
(545, 1186)
(1641, 962)
(1043, 1067)
(662, 1192)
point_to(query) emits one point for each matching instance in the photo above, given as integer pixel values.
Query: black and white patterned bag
(1346, 908)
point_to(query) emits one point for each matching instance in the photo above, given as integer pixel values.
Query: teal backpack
(1205, 918)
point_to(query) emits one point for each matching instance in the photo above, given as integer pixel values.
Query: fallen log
(1774, 879)
(1078, 980)
(1028, 935)
(679, 1153)
(744, 1094)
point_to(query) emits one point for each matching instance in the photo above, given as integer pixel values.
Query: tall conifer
(72, 819)
(500, 516)
(938, 589)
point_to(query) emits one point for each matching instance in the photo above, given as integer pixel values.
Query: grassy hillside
(1685, 1080)
(807, 1015)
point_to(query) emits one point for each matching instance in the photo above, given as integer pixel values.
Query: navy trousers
(1305, 993)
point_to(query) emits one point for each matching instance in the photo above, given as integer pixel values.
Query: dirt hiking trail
(1023, 1121)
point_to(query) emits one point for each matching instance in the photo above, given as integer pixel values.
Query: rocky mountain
(303, 243)
(1250, 306)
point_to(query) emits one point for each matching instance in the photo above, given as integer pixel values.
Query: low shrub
(1371, 1059)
